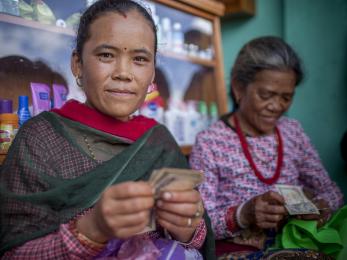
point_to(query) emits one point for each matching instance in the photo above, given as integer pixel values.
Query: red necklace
(248, 155)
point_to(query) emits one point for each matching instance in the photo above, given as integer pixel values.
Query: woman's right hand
(264, 211)
(122, 211)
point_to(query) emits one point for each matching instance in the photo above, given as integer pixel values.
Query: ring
(189, 224)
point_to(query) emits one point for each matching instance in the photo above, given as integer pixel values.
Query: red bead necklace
(248, 155)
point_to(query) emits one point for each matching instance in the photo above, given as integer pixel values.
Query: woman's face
(264, 100)
(117, 64)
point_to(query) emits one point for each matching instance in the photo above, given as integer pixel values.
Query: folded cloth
(330, 239)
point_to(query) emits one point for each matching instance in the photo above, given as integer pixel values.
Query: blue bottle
(23, 109)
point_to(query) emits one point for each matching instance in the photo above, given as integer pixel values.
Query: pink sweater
(229, 180)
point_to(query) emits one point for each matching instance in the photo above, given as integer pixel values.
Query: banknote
(296, 201)
(172, 179)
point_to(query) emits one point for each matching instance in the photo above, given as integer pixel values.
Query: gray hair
(265, 53)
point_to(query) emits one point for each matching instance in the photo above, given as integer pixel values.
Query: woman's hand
(122, 211)
(324, 210)
(180, 212)
(264, 211)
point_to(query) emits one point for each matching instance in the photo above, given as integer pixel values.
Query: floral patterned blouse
(230, 181)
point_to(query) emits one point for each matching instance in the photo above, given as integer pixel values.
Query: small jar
(8, 130)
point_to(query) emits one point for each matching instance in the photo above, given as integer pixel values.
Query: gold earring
(79, 81)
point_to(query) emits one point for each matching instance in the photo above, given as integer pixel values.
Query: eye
(287, 98)
(265, 95)
(105, 56)
(141, 59)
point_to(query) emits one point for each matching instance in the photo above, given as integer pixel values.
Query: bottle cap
(23, 101)
(6, 106)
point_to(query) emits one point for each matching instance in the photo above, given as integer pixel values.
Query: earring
(79, 81)
(151, 88)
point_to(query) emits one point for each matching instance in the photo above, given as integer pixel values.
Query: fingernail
(167, 195)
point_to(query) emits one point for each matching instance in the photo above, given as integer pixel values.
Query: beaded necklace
(249, 158)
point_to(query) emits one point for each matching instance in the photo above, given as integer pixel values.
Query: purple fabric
(142, 248)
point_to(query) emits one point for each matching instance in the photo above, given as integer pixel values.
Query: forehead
(129, 29)
(275, 80)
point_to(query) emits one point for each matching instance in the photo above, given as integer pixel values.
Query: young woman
(74, 182)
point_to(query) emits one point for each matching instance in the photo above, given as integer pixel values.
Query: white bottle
(156, 19)
(166, 33)
(177, 38)
(152, 110)
(174, 121)
(192, 124)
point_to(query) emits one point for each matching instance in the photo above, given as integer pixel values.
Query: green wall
(317, 29)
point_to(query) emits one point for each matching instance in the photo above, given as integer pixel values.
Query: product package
(26, 11)
(42, 12)
(41, 97)
(59, 95)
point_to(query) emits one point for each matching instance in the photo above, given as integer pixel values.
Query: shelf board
(196, 60)
(55, 29)
(34, 24)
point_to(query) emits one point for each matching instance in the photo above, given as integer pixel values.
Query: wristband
(84, 240)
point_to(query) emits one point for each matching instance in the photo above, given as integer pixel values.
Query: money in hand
(296, 201)
(173, 179)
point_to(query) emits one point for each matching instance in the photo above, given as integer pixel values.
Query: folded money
(172, 179)
(296, 201)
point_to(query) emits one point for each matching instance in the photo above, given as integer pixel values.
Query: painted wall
(317, 29)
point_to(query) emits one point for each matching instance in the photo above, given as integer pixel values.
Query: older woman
(74, 182)
(251, 149)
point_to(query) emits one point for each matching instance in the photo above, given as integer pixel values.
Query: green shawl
(47, 178)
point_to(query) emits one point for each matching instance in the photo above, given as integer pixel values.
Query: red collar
(132, 129)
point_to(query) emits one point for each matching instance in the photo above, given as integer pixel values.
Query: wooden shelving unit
(208, 10)
(34, 24)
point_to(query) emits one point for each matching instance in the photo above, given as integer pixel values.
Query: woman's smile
(120, 93)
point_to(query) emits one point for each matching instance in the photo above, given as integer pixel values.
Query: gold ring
(189, 224)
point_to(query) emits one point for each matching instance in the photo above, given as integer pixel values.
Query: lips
(270, 119)
(120, 92)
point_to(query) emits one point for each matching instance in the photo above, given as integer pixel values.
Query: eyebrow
(139, 50)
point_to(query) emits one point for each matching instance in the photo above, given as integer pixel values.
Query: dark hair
(264, 53)
(103, 6)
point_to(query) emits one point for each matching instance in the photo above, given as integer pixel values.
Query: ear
(237, 90)
(76, 64)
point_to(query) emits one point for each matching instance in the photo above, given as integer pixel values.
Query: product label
(6, 136)
(43, 95)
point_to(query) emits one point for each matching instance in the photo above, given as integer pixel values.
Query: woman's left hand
(180, 213)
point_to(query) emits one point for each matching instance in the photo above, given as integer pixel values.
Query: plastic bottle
(23, 109)
(152, 110)
(174, 121)
(203, 115)
(166, 33)
(192, 126)
(10, 7)
(177, 38)
(8, 125)
(213, 113)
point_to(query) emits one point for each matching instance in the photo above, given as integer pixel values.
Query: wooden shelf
(55, 29)
(239, 8)
(34, 24)
(184, 57)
